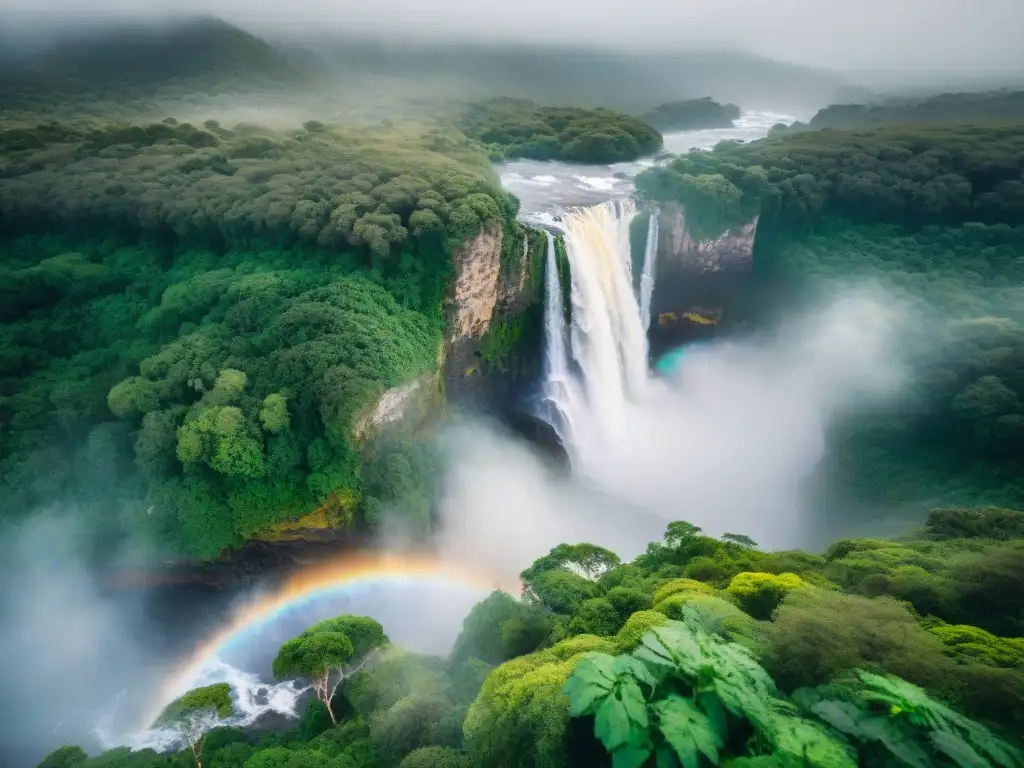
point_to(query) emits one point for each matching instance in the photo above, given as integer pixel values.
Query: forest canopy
(950, 108)
(936, 215)
(205, 312)
(699, 652)
(519, 128)
(692, 115)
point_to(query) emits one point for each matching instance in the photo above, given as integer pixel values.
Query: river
(544, 187)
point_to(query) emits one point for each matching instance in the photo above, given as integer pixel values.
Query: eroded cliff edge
(492, 348)
(702, 284)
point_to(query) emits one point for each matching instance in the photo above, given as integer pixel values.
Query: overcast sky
(843, 34)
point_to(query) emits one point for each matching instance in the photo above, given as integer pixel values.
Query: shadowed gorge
(487, 390)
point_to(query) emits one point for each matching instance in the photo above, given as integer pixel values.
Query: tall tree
(343, 645)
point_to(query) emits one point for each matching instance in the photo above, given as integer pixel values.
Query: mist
(729, 446)
(75, 656)
(909, 35)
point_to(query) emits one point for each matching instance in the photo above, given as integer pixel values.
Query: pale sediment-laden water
(544, 187)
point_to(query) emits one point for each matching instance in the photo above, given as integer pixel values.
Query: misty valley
(380, 398)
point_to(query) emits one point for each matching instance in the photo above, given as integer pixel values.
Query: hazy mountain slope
(130, 61)
(632, 81)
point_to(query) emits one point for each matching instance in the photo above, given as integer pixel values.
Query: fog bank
(877, 34)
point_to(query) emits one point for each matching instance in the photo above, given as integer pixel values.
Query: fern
(907, 723)
(688, 697)
(951, 733)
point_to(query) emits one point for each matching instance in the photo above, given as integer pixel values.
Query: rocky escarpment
(492, 341)
(701, 284)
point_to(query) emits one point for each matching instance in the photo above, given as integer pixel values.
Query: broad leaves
(591, 681)
(675, 696)
(958, 750)
(609, 688)
(688, 730)
(805, 740)
(963, 740)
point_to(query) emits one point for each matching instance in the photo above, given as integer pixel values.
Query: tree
(588, 560)
(224, 439)
(760, 593)
(500, 627)
(65, 757)
(678, 532)
(196, 713)
(216, 697)
(739, 538)
(329, 646)
(410, 723)
(285, 757)
(435, 757)
(274, 413)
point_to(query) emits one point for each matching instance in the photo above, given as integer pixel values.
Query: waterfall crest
(591, 382)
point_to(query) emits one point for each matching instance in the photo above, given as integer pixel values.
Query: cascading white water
(560, 385)
(647, 275)
(607, 337)
(251, 699)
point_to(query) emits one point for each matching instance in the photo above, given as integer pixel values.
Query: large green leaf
(999, 751)
(688, 731)
(630, 756)
(672, 645)
(841, 715)
(711, 706)
(900, 744)
(612, 724)
(665, 758)
(590, 683)
(626, 665)
(958, 750)
(806, 740)
(633, 701)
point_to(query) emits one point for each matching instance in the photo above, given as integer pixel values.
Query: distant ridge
(125, 60)
(633, 81)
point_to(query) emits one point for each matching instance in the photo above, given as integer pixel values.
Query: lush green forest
(936, 215)
(692, 114)
(133, 69)
(519, 128)
(699, 652)
(995, 106)
(204, 313)
(200, 67)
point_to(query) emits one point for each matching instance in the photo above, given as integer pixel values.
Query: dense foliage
(935, 214)
(700, 652)
(692, 115)
(1001, 106)
(519, 128)
(206, 314)
(139, 68)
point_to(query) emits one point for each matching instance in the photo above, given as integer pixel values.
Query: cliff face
(475, 293)
(732, 250)
(491, 345)
(701, 285)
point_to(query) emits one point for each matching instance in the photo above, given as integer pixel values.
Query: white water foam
(647, 275)
(251, 699)
(608, 342)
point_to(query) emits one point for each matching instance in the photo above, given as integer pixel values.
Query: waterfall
(647, 275)
(560, 386)
(592, 382)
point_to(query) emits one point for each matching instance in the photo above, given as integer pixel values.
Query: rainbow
(336, 577)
